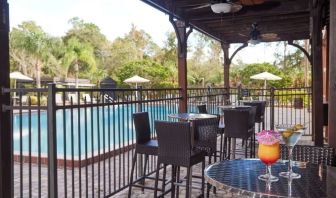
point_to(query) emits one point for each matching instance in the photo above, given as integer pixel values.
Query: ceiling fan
(256, 37)
(232, 6)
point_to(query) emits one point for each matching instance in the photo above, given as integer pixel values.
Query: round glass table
(241, 176)
(191, 116)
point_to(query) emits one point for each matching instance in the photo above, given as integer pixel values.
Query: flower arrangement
(268, 137)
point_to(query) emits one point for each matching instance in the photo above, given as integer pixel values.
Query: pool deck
(136, 192)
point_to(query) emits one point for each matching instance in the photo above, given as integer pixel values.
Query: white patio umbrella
(136, 79)
(18, 76)
(265, 76)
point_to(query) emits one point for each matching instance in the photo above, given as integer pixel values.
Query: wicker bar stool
(312, 154)
(239, 123)
(206, 131)
(144, 146)
(175, 149)
(260, 113)
(220, 132)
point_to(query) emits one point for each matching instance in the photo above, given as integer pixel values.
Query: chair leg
(221, 150)
(208, 185)
(251, 145)
(144, 173)
(188, 183)
(202, 187)
(156, 179)
(225, 148)
(164, 177)
(173, 181)
(229, 148)
(214, 188)
(178, 171)
(131, 177)
(246, 151)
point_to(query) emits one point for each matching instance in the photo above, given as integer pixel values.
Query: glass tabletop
(241, 176)
(191, 116)
(233, 106)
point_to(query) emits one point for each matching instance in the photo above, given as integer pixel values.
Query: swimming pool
(88, 134)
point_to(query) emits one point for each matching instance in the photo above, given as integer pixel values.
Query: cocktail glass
(268, 154)
(290, 136)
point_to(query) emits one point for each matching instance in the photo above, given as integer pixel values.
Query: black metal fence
(79, 142)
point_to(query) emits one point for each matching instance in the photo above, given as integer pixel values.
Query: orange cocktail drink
(269, 154)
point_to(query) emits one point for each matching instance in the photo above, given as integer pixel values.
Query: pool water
(115, 130)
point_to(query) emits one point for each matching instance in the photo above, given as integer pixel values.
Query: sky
(114, 18)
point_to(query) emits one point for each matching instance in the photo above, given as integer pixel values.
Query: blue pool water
(90, 128)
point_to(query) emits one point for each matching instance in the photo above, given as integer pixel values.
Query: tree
(252, 69)
(30, 43)
(155, 72)
(79, 56)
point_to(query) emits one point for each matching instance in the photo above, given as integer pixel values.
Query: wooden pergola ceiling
(290, 19)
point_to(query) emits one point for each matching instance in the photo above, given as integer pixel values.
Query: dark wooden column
(182, 37)
(227, 62)
(317, 94)
(6, 166)
(332, 76)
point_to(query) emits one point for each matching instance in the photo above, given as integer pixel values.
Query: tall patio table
(241, 177)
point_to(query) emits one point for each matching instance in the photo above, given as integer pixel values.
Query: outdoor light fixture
(254, 41)
(255, 35)
(221, 7)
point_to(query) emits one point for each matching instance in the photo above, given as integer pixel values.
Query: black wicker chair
(220, 131)
(144, 146)
(239, 123)
(206, 131)
(175, 149)
(311, 154)
(260, 113)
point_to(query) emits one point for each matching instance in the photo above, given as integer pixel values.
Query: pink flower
(268, 137)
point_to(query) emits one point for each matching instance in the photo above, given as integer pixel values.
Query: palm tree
(35, 43)
(78, 56)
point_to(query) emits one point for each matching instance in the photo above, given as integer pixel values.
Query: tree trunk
(38, 74)
(76, 78)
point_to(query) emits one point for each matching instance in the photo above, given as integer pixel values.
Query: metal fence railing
(79, 142)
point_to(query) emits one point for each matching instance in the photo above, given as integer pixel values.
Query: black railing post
(139, 98)
(52, 150)
(272, 107)
(238, 94)
(6, 136)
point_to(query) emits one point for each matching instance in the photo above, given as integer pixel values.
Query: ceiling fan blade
(251, 2)
(200, 7)
(236, 7)
(241, 34)
(265, 6)
(270, 39)
(269, 35)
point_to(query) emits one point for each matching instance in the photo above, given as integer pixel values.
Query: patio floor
(136, 192)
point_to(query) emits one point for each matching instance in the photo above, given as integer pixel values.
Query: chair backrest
(237, 122)
(252, 116)
(142, 127)
(311, 154)
(206, 133)
(261, 105)
(174, 140)
(202, 109)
